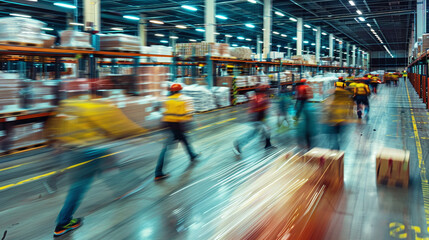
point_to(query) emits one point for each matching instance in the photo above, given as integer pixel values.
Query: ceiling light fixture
(352, 3)
(156, 21)
(174, 37)
(200, 30)
(77, 24)
(249, 25)
(227, 35)
(293, 19)
(283, 35)
(216, 33)
(221, 17)
(279, 14)
(20, 15)
(359, 12)
(277, 33)
(163, 41)
(306, 42)
(192, 40)
(159, 35)
(361, 19)
(307, 26)
(369, 25)
(295, 38)
(240, 38)
(314, 29)
(47, 29)
(252, 1)
(190, 8)
(248, 39)
(324, 34)
(131, 17)
(313, 44)
(234, 45)
(181, 26)
(117, 29)
(65, 5)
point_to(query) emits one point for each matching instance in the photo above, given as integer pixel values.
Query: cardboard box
(392, 167)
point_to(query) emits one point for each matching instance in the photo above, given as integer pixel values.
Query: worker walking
(341, 83)
(259, 105)
(178, 113)
(361, 93)
(303, 94)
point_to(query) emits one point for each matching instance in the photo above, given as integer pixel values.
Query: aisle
(371, 211)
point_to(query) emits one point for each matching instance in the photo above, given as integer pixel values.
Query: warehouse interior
(214, 119)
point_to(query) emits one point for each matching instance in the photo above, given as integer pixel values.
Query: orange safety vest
(340, 84)
(361, 89)
(177, 109)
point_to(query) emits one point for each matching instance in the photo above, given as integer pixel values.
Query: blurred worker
(374, 84)
(405, 75)
(259, 105)
(361, 93)
(178, 113)
(303, 94)
(285, 100)
(80, 130)
(341, 83)
(338, 111)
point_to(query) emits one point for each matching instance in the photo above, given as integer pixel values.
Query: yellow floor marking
(425, 185)
(32, 179)
(15, 166)
(83, 163)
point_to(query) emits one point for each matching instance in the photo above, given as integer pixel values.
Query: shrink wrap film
(75, 39)
(21, 30)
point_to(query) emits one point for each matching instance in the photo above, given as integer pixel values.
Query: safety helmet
(176, 87)
(302, 80)
(341, 78)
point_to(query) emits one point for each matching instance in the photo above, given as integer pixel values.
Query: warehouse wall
(382, 60)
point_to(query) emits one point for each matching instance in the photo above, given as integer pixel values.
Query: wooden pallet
(76, 48)
(25, 148)
(12, 113)
(120, 50)
(15, 43)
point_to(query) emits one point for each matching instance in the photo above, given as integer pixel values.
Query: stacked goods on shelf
(16, 30)
(222, 96)
(224, 50)
(9, 92)
(202, 98)
(26, 135)
(157, 50)
(40, 94)
(425, 42)
(277, 55)
(241, 81)
(75, 39)
(393, 167)
(201, 49)
(297, 59)
(152, 81)
(252, 81)
(286, 76)
(309, 59)
(74, 88)
(241, 53)
(48, 40)
(240, 98)
(119, 42)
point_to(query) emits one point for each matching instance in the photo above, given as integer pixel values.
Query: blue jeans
(177, 134)
(81, 178)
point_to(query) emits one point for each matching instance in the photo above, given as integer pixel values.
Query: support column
(421, 18)
(267, 27)
(341, 52)
(299, 36)
(354, 56)
(142, 30)
(331, 46)
(289, 51)
(91, 14)
(210, 21)
(368, 60)
(318, 43)
(173, 39)
(258, 48)
(69, 20)
(348, 54)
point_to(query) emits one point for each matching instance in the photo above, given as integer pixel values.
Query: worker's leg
(182, 137)
(245, 138)
(170, 140)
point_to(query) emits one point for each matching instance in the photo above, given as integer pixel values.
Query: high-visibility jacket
(178, 108)
(259, 103)
(361, 89)
(304, 92)
(340, 84)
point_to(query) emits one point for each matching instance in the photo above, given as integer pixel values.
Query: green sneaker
(72, 225)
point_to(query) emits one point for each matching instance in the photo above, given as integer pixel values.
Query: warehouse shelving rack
(27, 59)
(418, 75)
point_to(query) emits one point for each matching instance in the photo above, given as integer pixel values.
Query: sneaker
(236, 149)
(161, 177)
(72, 225)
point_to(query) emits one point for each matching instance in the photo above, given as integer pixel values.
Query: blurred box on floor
(393, 167)
(331, 162)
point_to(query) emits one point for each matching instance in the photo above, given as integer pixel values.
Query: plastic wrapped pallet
(25, 135)
(48, 40)
(21, 30)
(241, 81)
(40, 94)
(75, 39)
(200, 49)
(241, 53)
(202, 98)
(224, 50)
(119, 42)
(222, 96)
(10, 94)
(74, 88)
(241, 98)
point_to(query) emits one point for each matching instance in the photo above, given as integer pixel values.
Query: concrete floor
(127, 204)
